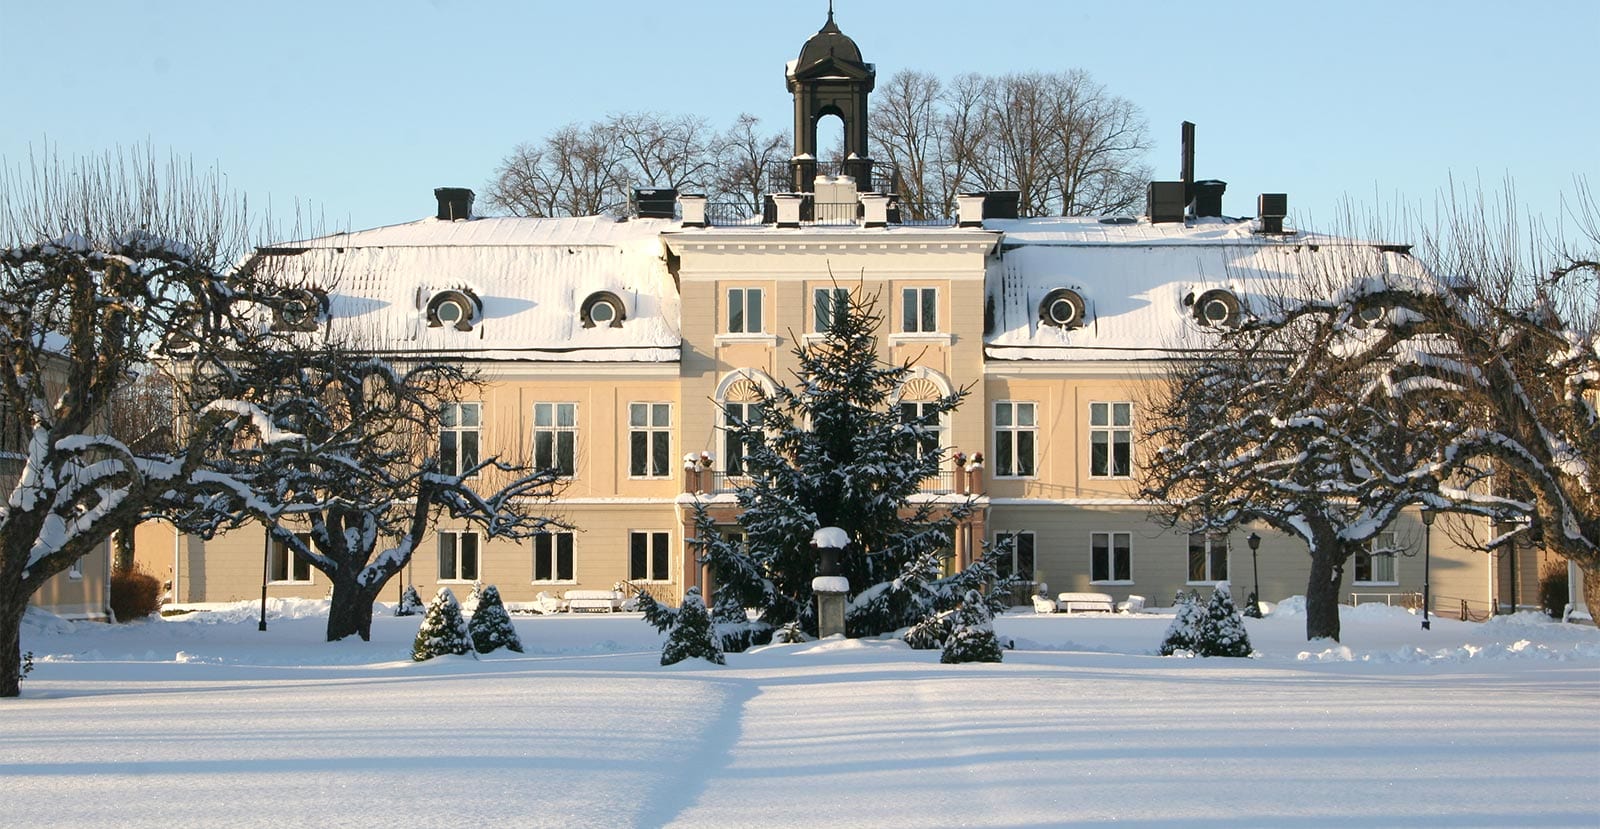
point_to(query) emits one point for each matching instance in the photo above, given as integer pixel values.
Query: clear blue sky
(360, 109)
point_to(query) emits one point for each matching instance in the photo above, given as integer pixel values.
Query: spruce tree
(491, 626)
(836, 450)
(930, 633)
(691, 633)
(1222, 631)
(972, 636)
(1184, 632)
(443, 629)
(410, 602)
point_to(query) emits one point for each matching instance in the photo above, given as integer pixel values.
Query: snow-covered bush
(491, 626)
(691, 633)
(971, 633)
(470, 604)
(790, 634)
(1183, 635)
(443, 629)
(930, 633)
(135, 594)
(1222, 631)
(410, 603)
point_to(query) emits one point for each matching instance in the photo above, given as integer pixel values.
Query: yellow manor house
(613, 349)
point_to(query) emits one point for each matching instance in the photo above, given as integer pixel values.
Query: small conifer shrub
(971, 633)
(930, 633)
(691, 635)
(410, 602)
(1222, 631)
(1183, 635)
(491, 626)
(443, 629)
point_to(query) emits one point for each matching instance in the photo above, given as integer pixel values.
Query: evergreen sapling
(971, 633)
(410, 602)
(691, 633)
(1222, 631)
(491, 626)
(443, 629)
(1183, 635)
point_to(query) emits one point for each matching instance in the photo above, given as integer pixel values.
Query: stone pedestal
(832, 593)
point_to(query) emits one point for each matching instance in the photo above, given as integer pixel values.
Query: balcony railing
(739, 214)
(943, 483)
(780, 176)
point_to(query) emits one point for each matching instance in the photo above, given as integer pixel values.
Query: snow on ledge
(830, 584)
(831, 538)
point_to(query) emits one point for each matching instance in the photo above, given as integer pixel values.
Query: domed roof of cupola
(828, 42)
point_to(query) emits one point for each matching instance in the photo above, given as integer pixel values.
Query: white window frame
(458, 574)
(657, 439)
(841, 300)
(1386, 540)
(279, 552)
(1111, 538)
(1211, 543)
(452, 423)
(554, 542)
(914, 310)
(740, 298)
(939, 428)
(1011, 432)
(731, 464)
(1107, 433)
(556, 430)
(658, 543)
(1033, 551)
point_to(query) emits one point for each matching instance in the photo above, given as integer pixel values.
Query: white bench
(608, 600)
(1134, 604)
(1075, 602)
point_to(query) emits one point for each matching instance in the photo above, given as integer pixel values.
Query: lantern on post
(830, 585)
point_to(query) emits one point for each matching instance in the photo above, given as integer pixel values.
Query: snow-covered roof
(529, 277)
(1141, 284)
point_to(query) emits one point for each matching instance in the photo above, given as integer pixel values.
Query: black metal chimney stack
(1187, 172)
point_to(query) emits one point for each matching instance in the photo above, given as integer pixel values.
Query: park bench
(1076, 602)
(608, 600)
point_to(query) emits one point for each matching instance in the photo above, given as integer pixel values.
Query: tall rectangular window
(284, 567)
(1110, 440)
(919, 310)
(459, 429)
(552, 557)
(1375, 565)
(1014, 554)
(1208, 557)
(744, 311)
(458, 556)
(648, 556)
(1111, 557)
(1015, 432)
(925, 416)
(734, 449)
(649, 439)
(828, 307)
(555, 436)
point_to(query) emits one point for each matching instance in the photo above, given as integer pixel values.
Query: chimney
(1208, 197)
(455, 203)
(1186, 165)
(1165, 202)
(1272, 208)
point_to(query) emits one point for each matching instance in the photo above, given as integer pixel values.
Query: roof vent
(1166, 201)
(455, 203)
(1208, 198)
(656, 202)
(1272, 208)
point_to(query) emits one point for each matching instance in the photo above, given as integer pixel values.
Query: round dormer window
(456, 309)
(1372, 316)
(300, 310)
(603, 309)
(1217, 308)
(1063, 308)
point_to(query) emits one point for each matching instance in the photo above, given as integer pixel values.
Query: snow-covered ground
(204, 721)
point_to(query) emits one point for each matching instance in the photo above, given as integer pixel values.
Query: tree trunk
(1591, 588)
(12, 609)
(350, 611)
(1322, 597)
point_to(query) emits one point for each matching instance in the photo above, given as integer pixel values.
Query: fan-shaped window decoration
(602, 308)
(458, 309)
(743, 391)
(1063, 308)
(300, 310)
(920, 388)
(1217, 307)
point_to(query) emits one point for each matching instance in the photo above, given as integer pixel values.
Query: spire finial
(830, 11)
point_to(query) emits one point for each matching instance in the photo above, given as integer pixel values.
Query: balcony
(943, 483)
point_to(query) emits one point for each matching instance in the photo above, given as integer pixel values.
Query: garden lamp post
(266, 565)
(1254, 540)
(1427, 533)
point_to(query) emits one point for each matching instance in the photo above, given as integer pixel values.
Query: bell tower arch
(830, 78)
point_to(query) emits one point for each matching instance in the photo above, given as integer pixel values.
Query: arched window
(919, 404)
(457, 309)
